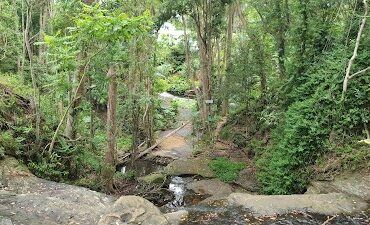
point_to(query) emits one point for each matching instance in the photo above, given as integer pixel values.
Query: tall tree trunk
(77, 77)
(260, 60)
(42, 30)
(203, 22)
(189, 70)
(229, 39)
(28, 47)
(280, 38)
(303, 37)
(111, 153)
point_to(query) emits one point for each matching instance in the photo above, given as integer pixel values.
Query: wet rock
(357, 184)
(194, 166)
(133, 210)
(247, 179)
(216, 188)
(175, 218)
(326, 204)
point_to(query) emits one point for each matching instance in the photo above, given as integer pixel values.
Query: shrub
(316, 112)
(225, 169)
(178, 85)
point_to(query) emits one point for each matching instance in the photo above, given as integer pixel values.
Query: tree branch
(355, 51)
(359, 72)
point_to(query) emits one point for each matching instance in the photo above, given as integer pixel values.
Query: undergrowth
(225, 169)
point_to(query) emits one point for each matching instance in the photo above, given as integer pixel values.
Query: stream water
(220, 213)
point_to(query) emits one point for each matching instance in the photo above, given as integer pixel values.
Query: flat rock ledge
(28, 200)
(193, 166)
(357, 184)
(133, 210)
(326, 204)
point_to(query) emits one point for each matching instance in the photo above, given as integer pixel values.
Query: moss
(153, 178)
(225, 169)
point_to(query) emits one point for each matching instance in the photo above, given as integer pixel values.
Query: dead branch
(360, 72)
(355, 51)
(329, 219)
(219, 127)
(160, 141)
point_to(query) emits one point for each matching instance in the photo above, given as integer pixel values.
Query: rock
(153, 178)
(357, 184)
(5, 221)
(247, 179)
(216, 188)
(133, 210)
(194, 166)
(33, 201)
(326, 204)
(12, 167)
(175, 218)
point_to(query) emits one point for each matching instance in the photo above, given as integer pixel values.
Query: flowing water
(221, 214)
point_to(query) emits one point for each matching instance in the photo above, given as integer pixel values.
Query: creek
(219, 213)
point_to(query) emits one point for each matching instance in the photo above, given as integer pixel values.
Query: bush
(165, 117)
(316, 112)
(9, 144)
(225, 169)
(179, 85)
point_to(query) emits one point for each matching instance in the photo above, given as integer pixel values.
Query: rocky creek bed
(28, 200)
(197, 197)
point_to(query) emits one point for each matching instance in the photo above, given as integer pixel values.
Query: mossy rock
(153, 178)
(195, 166)
(12, 165)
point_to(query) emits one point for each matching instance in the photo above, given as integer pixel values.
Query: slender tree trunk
(229, 39)
(26, 40)
(203, 22)
(111, 153)
(280, 38)
(303, 37)
(24, 50)
(190, 72)
(258, 45)
(70, 129)
(348, 75)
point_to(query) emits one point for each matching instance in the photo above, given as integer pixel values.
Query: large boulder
(153, 178)
(193, 166)
(175, 218)
(247, 179)
(26, 199)
(326, 204)
(357, 184)
(133, 210)
(214, 188)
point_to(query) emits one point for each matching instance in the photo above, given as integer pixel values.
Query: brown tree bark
(203, 21)
(190, 72)
(111, 153)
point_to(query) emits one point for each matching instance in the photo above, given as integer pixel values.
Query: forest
(92, 92)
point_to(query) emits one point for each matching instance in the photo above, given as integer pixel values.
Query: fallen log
(146, 151)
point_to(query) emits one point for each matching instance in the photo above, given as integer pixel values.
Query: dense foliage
(225, 169)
